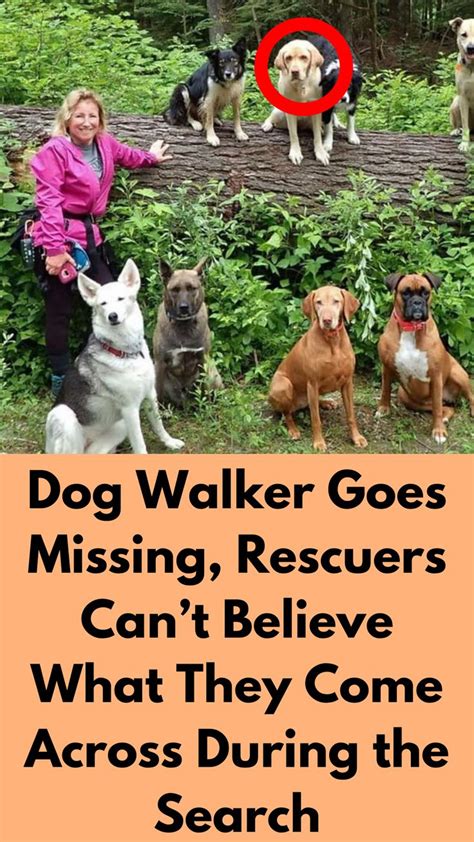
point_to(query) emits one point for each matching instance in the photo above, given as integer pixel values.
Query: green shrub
(66, 46)
(392, 100)
(262, 263)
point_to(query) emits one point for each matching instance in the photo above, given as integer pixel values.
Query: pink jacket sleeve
(127, 156)
(48, 168)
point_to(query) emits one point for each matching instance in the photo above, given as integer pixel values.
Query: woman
(74, 172)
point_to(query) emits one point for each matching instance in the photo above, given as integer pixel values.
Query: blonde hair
(70, 104)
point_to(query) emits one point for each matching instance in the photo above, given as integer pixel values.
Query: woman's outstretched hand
(159, 148)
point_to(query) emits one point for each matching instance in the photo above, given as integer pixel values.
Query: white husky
(99, 403)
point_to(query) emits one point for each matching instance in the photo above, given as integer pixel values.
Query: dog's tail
(64, 434)
(177, 112)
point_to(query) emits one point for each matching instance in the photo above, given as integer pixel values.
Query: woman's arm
(48, 170)
(131, 158)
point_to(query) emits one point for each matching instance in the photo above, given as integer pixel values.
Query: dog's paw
(213, 140)
(174, 444)
(294, 435)
(439, 435)
(196, 125)
(328, 144)
(241, 135)
(320, 444)
(382, 411)
(295, 156)
(354, 139)
(464, 146)
(267, 126)
(455, 133)
(359, 440)
(328, 403)
(217, 121)
(322, 156)
(336, 121)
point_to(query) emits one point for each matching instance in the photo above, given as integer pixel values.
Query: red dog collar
(408, 326)
(116, 352)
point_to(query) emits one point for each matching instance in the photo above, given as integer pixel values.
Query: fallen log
(395, 160)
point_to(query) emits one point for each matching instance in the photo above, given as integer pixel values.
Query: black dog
(329, 75)
(200, 100)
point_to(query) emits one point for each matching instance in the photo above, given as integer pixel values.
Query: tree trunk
(346, 19)
(262, 165)
(218, 17)
(373, 33)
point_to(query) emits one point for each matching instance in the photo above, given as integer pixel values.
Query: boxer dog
(411, 351)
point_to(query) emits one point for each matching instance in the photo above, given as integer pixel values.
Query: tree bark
(261, 165)
(373, 33)
(346, 19)
(217, 10)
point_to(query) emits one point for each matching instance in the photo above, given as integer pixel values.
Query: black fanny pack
(22, 241)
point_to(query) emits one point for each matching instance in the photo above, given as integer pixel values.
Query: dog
(411, 352)
(299, 63)
(182, 339)
(329, 70)
(462, 107)
(200, 100)
(348, 103)
(99, 403)
(320, 362)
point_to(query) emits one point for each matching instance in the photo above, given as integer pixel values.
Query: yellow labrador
(299, 63)
(462, 107)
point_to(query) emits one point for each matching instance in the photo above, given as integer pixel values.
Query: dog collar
(172, 318)
(408, 326)
(116, 352)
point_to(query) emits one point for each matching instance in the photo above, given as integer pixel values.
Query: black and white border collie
(200, 100)
(329, 75)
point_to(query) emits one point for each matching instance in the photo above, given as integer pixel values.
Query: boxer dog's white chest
(409, 360)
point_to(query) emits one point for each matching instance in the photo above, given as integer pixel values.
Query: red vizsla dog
(320, 362)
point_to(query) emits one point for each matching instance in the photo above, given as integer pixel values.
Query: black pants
(59, 300)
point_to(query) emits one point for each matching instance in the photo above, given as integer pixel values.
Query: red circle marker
(315, 106)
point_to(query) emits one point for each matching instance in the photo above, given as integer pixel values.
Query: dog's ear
(392, 281)
(165, 271)
(307, 305)
(240, 47)
(316, 57)
(130, 276)
(88, 288)
(455, 23)
(433, 279)
(200, 266)
(211, 55)
(279, 61)
(351, 304)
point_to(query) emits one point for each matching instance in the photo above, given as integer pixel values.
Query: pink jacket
(66, 182)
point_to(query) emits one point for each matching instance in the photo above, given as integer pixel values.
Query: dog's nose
(113, 318)
(295, 74)
(470, 49)
(327, 322)
(184, 309)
